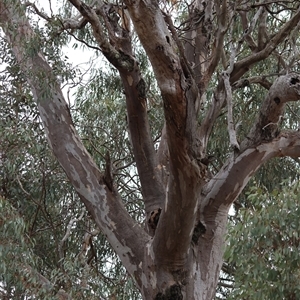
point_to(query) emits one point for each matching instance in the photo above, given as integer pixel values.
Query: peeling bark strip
(179, 255)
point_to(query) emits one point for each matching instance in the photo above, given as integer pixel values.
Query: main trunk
(199, 277)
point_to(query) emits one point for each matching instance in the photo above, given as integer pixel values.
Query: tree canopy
(166, 167)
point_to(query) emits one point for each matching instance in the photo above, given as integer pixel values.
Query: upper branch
(284, 89)
(37, 11)
(222, 17)
(242, 66)
(70, 23)
(239, 69)
(227, 185)
(114, 55)
(262, 143)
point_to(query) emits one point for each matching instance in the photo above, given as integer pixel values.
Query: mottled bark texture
(178, 255)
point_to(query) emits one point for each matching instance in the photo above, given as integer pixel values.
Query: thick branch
(230, 123)
(262, 31)
(142, 144)
(226, 186)
(105, 206)
(179, 93)
(217, 102)
(136, 102)
(262, 143)
(198, 37)
(262, 80)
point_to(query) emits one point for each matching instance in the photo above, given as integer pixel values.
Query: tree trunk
(179, 253)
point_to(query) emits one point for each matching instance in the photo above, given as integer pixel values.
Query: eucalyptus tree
(202, 55)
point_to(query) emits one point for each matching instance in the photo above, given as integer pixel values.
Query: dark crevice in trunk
(172, 293)
(199, 230)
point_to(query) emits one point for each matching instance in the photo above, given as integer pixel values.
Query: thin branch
(114, 55)
(38, 12)
(255, 79)
(230, 123)
(50, 6)
(122, 167)
(22, 188)
(226, 285)
(219, 40)
(240, 68)
(68, 233)
(249, 30)
(295, 53)
(264, 3)
(83, 41)
(273, 123)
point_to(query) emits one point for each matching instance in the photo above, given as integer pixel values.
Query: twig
(83, 42)
(273, 123)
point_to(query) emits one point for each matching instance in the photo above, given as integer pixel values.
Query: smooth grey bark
(181, 256)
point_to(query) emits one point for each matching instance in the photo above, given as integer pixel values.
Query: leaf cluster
(263, 245)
